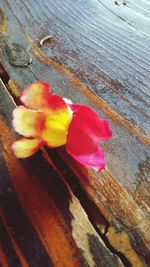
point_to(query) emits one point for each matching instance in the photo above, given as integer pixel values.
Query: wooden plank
(135, 14)
(42, 220)
(122, 81)
(114, 201)
(95, 58)
(124, 143)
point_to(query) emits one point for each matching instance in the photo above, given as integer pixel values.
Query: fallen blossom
(48, 120)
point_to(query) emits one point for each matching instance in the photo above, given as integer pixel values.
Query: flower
(49, 120)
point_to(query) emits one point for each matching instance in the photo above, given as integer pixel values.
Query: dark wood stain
(101, 259)
(19, 224)
(7, 246)
(17, 55)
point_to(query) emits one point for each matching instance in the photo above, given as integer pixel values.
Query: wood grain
(98, 55)
(107, 192)
(44, 223)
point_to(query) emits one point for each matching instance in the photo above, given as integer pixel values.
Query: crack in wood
(81, 195)
(96, 218)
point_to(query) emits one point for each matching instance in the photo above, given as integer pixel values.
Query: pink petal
(37, 95)
(24, 148)
(94, 160)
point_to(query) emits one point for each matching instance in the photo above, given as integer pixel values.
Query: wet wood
(97, 55)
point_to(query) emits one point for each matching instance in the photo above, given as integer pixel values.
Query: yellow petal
(37, 95)
(28, 122)
(56, 127)
(24, 148)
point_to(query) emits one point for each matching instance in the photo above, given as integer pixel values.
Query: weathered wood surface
(42, 222)
(99, 55)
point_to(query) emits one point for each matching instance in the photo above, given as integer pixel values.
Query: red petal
(37, 95)
(85, 132)
(56, 102)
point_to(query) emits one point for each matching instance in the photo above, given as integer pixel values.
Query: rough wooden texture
(98, 55)
(42, 222)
